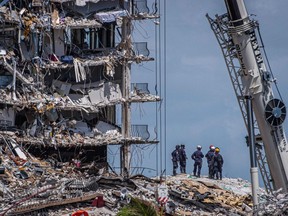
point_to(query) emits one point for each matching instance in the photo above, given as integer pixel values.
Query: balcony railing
(140, 6)
(140, 131)
(140, 88)
(140, 48)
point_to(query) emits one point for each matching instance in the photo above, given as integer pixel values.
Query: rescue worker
(175, 159)
(182, 158)
(217, 162)
(209, 155)
(197, 157)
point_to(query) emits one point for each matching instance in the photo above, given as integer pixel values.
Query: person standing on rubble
(197, 157)
(209, 155)
(217, 162)
(182, 158)
(175, 159)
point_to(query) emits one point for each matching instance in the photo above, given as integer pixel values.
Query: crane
(237, 36)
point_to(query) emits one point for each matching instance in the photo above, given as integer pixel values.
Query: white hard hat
(199, 147)
(213, 147)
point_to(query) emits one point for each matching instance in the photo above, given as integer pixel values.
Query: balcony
(140, 6)
(140, 131)
(140, 48)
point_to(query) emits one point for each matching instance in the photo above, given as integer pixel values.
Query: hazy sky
(201, 107)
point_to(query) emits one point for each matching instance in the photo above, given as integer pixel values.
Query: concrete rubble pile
(53, 188)
(187, 195)
(49, 187)
(273, 204)
(203, 196)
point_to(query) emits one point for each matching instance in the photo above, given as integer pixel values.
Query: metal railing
(141, 88)
(141, 48)
(140, 131)
(140, 6)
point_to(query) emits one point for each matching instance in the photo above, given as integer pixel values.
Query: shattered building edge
(61, 75)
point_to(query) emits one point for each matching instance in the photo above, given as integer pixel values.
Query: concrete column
(125, 155)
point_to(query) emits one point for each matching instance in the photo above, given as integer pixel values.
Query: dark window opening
(82, 41)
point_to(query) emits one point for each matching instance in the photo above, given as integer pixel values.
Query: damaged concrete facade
(62, 72)
(64, 67)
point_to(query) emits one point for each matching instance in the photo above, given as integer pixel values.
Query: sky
(201, 107)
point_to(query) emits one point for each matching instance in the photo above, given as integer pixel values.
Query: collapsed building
(65, 65)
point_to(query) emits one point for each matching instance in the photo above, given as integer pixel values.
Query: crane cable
(156, 90)
(161, 119)
(160, 88)
(165, 89)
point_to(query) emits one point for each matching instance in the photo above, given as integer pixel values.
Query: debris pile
(273, 204)
(47, 186)
(110, 193)
(203, 196)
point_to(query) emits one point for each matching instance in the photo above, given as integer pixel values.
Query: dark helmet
(182, 146)
(177, 146)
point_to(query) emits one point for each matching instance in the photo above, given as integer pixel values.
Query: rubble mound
(66, 191)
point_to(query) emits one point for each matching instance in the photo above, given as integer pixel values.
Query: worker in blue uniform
(197, 157)
(217, 162)
(182, 158)
(209, 155)
(175, 159)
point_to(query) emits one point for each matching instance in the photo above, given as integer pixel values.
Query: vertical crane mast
(256, 82)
